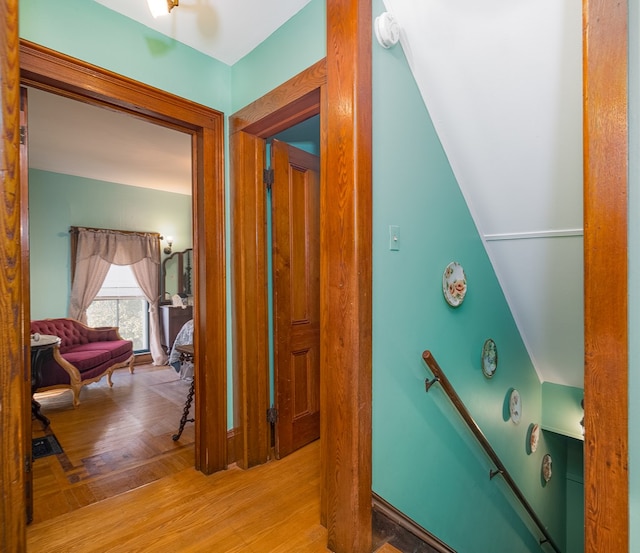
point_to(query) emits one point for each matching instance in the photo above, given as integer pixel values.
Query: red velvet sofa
(84, 355)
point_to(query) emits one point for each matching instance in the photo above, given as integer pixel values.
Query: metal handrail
(440, 377)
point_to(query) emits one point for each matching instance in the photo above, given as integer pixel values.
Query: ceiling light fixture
(161, 7)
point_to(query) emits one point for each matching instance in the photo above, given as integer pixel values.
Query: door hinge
(27, 463)
(267, 176)
(23, 135)
(272, 415)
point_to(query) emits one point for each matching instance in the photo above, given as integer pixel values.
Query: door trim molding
(606, 151)
(60, 74)
(15, 435)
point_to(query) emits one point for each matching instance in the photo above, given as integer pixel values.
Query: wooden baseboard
(392, 526)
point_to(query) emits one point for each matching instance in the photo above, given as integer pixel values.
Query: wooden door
(296, 295)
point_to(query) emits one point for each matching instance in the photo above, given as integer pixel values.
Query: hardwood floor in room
(123, 485)
(116, 440)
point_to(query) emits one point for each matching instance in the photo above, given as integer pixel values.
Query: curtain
(98, 249)
(146, 273)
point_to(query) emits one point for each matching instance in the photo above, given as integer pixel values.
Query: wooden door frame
(292, 102)
(605, 97)
(14, 433)
(60, 74)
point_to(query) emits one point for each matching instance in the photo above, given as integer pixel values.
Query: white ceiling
(502, 83)
(72, 138)
(223, 29)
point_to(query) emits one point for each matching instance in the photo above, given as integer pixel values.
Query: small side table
(186, 354)
(42, 346)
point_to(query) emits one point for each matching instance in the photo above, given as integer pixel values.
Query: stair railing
(500, 469)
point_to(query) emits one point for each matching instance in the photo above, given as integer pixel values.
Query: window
(120, 302)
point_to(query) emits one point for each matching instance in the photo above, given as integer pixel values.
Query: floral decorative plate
(546, 467)
(534, 438)
(454, 284)
(489, 358)
(515, 406)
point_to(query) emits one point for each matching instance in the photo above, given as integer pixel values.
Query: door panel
(296, 295)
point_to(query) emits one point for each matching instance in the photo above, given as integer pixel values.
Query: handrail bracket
(428, 383)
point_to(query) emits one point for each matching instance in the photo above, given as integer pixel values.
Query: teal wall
(634, 273)
(88, 31)
(424, 462)
(57, 202)
(281, 56)
(575, 496)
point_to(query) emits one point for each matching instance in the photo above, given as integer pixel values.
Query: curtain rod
(138, 233)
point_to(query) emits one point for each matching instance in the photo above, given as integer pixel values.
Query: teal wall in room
(88, 31)
(57, 202)
(575, 496)
(424, 462)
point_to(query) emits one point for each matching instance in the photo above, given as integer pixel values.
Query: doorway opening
(89, 165)
(48, 70)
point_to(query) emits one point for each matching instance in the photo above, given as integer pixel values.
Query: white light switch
(394, 237)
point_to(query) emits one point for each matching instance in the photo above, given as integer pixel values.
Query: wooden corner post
(606, 478)
(346, 202)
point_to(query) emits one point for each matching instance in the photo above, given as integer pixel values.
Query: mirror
(176, 276)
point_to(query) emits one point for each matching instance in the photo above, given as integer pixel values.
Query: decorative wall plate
(546, 467)
(454, 284)
(534, 438)
(515, 406)
(489, 358)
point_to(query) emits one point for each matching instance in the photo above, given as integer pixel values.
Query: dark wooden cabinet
(171, 321)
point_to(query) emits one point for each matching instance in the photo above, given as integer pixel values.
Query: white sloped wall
(502, 81)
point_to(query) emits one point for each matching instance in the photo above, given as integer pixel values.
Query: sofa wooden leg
(133, 358)
(109, 373)
(76, 395)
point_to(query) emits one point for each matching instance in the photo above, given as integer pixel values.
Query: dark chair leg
(36, 414)
(185, 413)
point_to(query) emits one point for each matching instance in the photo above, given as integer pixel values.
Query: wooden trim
(250, 317)
(295, 100)
(15, 431)
(389, 516)
(55, 72)
(346, 280)
(605, 269)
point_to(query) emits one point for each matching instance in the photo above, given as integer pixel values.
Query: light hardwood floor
(123, 485)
